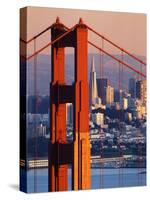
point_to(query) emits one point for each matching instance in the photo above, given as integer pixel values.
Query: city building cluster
(117, 118)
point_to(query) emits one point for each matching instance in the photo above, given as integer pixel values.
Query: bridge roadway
(43, 163)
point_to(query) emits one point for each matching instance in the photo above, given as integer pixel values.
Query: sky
(125, 29)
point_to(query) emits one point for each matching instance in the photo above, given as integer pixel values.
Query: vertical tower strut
(61, 153)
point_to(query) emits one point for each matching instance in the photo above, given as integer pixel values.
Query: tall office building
(93, 84)
(141, 90)
(102, 84)
(118, 95)
(109, 95)
(69, 113)
(132, 87)
(124, 103)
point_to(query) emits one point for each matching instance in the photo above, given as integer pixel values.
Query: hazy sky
(125, 29)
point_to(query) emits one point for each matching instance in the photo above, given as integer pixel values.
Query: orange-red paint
(78, 153)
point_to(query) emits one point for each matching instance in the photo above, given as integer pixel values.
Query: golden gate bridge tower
(78, 152)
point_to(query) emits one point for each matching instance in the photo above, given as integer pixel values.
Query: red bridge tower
(77, 153)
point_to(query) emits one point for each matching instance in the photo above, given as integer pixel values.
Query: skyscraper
(93, 84)
(132, 87)
(109, 95)
(118, 94)
(141, 90)
(124, 103)
(69, 113)
(98, 118)
(102, 84)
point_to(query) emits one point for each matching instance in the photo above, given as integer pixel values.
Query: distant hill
(111, 69)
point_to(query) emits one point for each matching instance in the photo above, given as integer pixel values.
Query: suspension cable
(41, 33)
(50, 43)
(113, 57)
(112, 43)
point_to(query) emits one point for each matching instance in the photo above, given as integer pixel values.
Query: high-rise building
(69, 113)
(102, 84)
(131, 102)
(128, 116)
(93, 84)
(109, 95)
(98, 118)
(141, 90)
(118, 94)
(132, 87)
(140, 110)
(124, 103)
